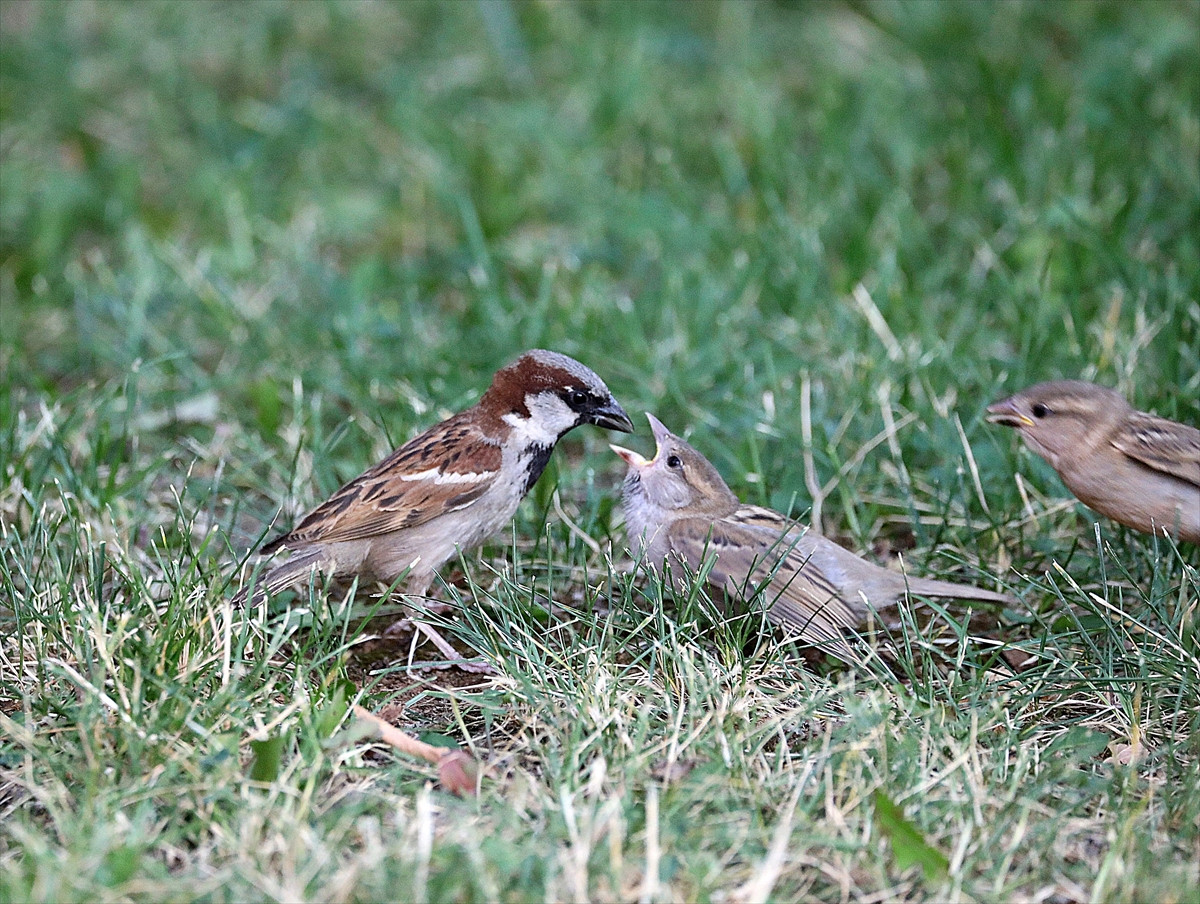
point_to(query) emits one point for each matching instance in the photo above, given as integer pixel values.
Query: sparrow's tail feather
(296, 569)
(948, 590)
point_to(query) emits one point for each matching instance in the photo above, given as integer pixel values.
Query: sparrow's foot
(454, 658)
(396, 628)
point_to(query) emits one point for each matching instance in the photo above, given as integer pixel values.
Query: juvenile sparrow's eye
(674, 462)
(1040, 410)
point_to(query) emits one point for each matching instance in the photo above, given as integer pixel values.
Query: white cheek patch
(549, 418)
(438, 476)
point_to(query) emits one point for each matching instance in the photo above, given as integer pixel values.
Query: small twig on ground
(457, 770)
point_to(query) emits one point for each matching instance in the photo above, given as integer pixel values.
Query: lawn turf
(247, 249)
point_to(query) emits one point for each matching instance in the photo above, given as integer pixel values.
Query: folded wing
(1161, 444)
(417, 483)
(751, 560)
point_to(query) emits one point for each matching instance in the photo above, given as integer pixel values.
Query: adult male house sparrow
(1136, 468)
(450, 488)
(678, 511)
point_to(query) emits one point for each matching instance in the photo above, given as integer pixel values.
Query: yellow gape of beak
(633, 459)
(1007, 413)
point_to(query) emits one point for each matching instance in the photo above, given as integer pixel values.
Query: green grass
(246, 249)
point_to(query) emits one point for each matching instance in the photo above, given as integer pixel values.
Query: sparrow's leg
(414, 622)
(453, 657)
(477, 667)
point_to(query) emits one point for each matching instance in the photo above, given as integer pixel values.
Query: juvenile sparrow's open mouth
(1006, 413)
(633, 459)
(636, 459)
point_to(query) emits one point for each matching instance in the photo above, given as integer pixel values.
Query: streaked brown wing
(762, 518)
(754, 555)
(381, 500)
(1164, 445)
(791, 546)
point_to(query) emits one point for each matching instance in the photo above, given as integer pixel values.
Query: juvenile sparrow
(678, 511)
(450, 488)
(1136, 468)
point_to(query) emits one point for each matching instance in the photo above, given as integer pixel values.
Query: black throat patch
(539, 457)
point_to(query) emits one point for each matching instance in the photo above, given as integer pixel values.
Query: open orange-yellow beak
(635, 459)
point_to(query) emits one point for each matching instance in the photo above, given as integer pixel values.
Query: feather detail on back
(1163, 445)
(415, 484)
(748, 563)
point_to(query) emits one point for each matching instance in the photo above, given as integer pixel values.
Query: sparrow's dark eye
(674, 462)
(576, 398)
(1040, 410)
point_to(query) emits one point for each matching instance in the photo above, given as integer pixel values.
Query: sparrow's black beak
(610, 416)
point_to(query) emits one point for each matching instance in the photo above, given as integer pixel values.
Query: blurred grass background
(247, 248)
(388, 200)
